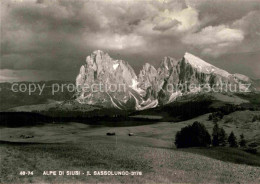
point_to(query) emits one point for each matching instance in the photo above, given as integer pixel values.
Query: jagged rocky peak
(101, 67)
(103, 71)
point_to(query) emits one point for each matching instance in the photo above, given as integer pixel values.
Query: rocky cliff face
(152, 87)
(106, 82)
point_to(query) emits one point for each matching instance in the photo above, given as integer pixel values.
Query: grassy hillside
(157, 165)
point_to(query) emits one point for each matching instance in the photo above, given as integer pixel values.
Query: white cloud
(187, 18)
(214, 40)
(214, 35)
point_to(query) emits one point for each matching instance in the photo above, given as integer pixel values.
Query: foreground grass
(157, 165)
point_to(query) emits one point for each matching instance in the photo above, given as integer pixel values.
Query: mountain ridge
(149, 88)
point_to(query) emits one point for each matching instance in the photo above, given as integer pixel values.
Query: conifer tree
(242, 141)
(232, 140)
(222, 137)
(215, 135)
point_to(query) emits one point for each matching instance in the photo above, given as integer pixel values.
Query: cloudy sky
(49, 39)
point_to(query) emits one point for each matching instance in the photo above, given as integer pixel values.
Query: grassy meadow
(81, 147)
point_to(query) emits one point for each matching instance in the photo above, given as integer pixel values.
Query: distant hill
(193, 105)
(257, 84)
(10, 98)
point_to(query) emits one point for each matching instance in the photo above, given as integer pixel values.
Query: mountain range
(151, 87)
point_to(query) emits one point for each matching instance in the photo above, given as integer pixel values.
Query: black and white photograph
(130, 91)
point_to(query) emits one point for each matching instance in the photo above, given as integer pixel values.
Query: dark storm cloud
(42, 37)
(57, 35)
(62, 16)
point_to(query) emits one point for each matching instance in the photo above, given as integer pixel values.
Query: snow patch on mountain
(115, 66)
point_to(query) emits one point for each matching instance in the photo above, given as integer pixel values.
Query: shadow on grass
(24, 143)
(226, 154)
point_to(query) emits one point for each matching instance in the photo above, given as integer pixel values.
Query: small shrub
(251, 150)
(195, 135)
(252, 145)
(216, 116)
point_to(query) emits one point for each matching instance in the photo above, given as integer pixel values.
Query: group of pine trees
(196, 135)
(219, 138)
